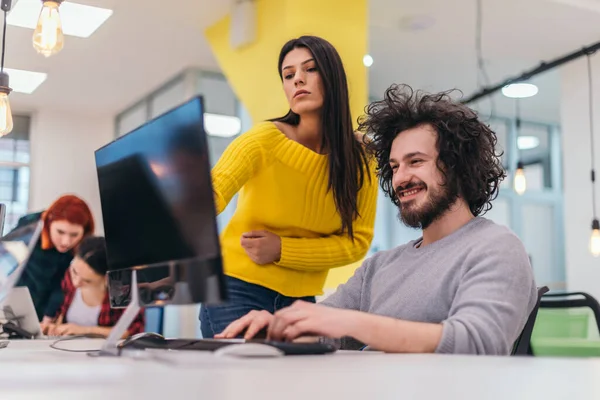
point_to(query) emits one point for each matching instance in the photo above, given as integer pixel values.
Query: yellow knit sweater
(282, 188)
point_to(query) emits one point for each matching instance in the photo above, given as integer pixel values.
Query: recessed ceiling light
(520, 90)
(222, 125)
(367, 60)
(528, 142)
(25, 81)
(77, 19)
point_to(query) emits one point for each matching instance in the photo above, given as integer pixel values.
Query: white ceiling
(143, 44)
(517, 35)
(146, 42)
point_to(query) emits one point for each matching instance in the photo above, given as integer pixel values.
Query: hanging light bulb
(595, 238)
(48, 38)
(520, 183)
(6, 121)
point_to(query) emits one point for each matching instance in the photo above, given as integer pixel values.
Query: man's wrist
(354, 323)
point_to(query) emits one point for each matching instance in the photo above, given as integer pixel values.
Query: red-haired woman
(66, 222)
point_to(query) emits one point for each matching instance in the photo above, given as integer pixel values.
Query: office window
(534, 150)
(167, 97)
(14, 171)
(132, 118)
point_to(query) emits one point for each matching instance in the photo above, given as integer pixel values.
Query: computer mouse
(248, 350)
(142, 336)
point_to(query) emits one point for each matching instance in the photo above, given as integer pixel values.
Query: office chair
(522, 346)
(572, 300)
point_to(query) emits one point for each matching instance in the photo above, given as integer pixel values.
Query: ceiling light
(48, 37)
(520, 182)
(25, 81)
(6, 120)
(520, 90)
(77, 19)
(367, 60)
(528, 142)
(222, 125)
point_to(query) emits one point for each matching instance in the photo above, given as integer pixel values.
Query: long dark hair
(92, 250)
(347, 157)
(467, 147)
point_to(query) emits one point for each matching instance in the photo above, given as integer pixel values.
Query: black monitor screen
(156, 193)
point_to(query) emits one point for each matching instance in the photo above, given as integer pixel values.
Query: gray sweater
(477, 282)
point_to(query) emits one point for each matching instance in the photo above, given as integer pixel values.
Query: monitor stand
(110, 346)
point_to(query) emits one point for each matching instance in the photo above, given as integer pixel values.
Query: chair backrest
(561, 323)
(522, 346)
(571, 300)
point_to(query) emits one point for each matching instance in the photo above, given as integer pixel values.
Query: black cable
(591, 111)
(3, 43)
(67, 338)
(542, 67)
(481, 70)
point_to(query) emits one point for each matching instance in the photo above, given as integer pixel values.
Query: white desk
(32, 370)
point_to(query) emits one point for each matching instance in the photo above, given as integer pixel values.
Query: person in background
(66, 222)
(86, 308)
(307, 190)
(464, 287)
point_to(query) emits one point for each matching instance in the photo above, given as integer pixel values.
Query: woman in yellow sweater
(307, 192)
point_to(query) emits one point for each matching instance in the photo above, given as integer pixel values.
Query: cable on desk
(67, 338)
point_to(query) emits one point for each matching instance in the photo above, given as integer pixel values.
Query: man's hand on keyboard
(252, 323)
(308, 319)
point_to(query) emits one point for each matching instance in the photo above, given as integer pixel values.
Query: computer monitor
(159, 213)
(15, 250)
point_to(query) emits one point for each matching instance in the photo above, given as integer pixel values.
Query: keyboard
(288, 348)
(46, 337)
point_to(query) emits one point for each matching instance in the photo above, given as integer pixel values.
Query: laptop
(17, 307)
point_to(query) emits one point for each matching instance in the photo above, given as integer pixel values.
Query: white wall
(62, 158)
(582, 270)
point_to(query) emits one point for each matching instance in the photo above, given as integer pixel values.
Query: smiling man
(466, 286)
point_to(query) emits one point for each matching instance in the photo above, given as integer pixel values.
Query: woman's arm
(69, 329)
(101, 331)
(60, 329)
(335, 250)
(238, 163)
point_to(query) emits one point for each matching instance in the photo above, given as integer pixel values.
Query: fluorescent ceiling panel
(528, 142)
(25, 81)
(77, 19)
(520, 90)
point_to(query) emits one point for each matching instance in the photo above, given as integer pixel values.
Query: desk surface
(30, 369)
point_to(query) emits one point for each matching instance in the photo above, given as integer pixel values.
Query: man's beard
(438, 201)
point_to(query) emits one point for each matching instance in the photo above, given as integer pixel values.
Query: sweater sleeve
(349, 295)
(317, 254)
(492, 303)
(238, 163)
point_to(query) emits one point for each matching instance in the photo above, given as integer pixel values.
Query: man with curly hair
(466, 286)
